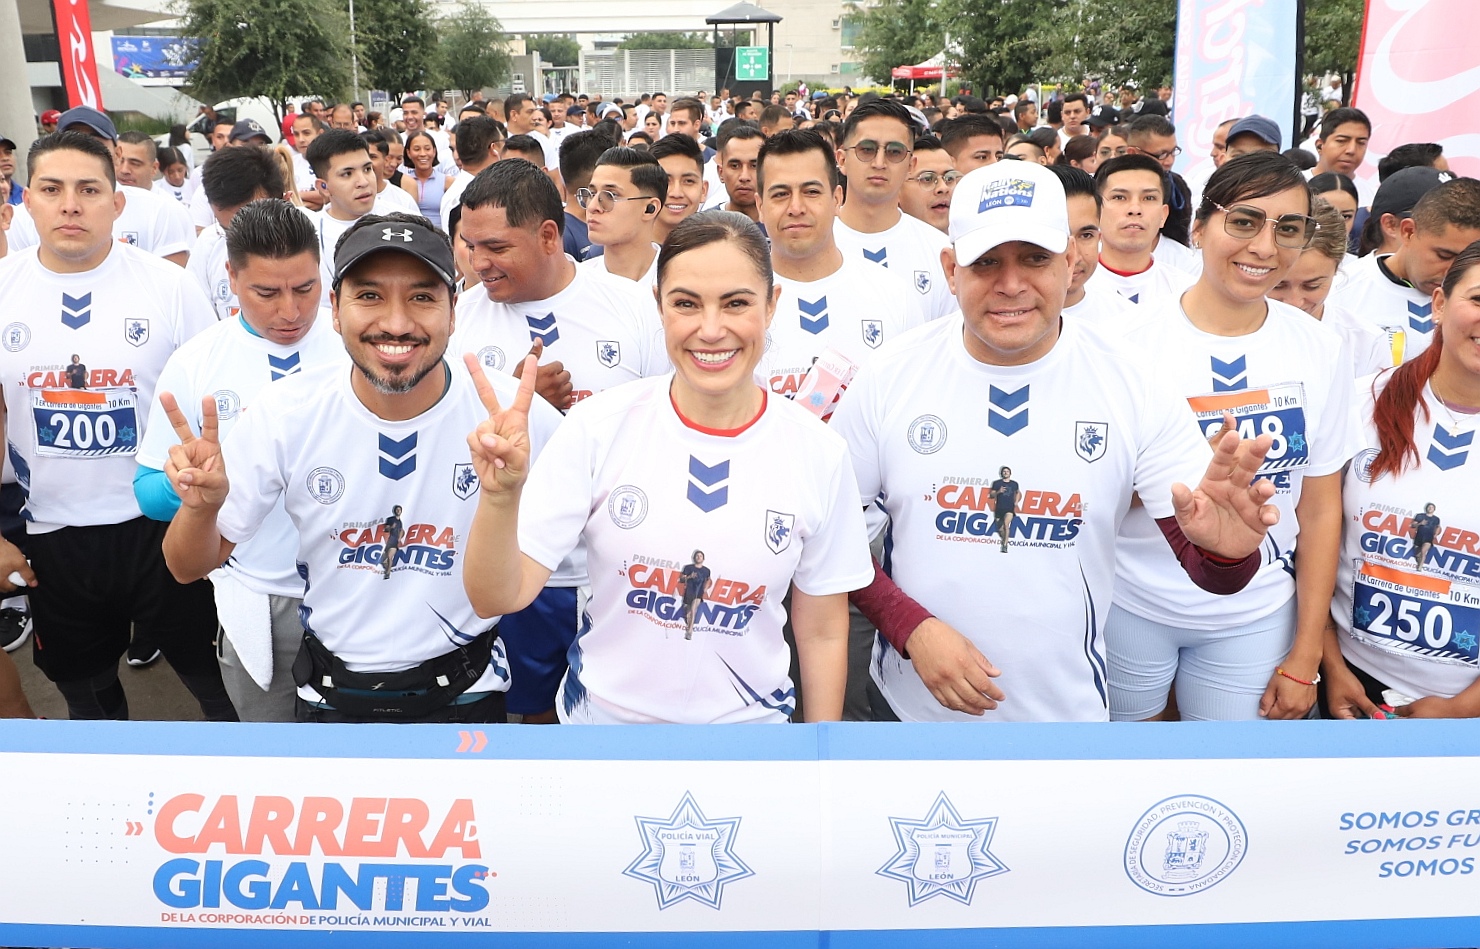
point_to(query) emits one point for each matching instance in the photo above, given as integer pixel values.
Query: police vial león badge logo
(1184, 845)
(687, 856)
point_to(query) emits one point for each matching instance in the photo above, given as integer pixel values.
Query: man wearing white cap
(1007, 445)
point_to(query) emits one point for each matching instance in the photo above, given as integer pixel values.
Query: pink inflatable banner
(1418, 79)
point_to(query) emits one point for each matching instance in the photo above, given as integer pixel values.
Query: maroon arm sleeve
(1210, 572)
(889, 608)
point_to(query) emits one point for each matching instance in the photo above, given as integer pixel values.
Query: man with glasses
(627, 192)
(927, 196)
(877, 157)
(1155, 137)
(1133, 197)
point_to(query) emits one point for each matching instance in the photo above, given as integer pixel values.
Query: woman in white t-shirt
(1264, 368)
(1406, 616)
(646, 474)
(1307, 285)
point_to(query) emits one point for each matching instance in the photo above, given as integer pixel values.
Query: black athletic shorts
(94, 585)
(489, 710)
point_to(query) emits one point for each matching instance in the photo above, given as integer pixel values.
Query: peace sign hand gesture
(195, 467)
(1227, 515)
(500, 445)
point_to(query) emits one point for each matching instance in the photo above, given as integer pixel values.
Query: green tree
(1129, 40)
(1002, 43)
(1333, 36)
(276, 49)
(899, 33)
(473, 52)
(554, 48)
(666, 41)
(396, 41)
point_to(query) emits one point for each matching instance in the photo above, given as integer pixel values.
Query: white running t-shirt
(1048, 452)
(599, 326)
(911, 248)
(354, 484)
(1159, 283)
(1291, 378)
(74, 426)
(234, 364)
(1411, 626)
(149, 221)
(770, 506)
(1403, 314)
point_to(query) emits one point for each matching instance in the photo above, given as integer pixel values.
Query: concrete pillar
(17, 118)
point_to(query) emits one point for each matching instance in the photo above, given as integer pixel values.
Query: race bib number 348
(85, 423)
(1277, 411)
(1415, 614)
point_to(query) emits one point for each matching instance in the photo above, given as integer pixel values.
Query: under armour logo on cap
(403, 233)
(391, 233)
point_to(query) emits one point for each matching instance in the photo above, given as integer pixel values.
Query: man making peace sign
(346, 449)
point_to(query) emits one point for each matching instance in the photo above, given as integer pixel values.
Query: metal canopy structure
(742, 14)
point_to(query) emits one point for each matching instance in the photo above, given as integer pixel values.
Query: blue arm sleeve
(156, 497)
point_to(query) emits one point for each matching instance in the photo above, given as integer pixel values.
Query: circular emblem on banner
(628, 506)
(17, 337)
(1362, 464)
(491, 357)
(927, 434)
(1184, 845)
(228, 404)
(325, 485)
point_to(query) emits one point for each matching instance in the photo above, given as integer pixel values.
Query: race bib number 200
(1417, 614)
(85, 423)
(1277, 411)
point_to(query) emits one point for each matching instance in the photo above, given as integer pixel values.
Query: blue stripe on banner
(1355, 934)
(594, 743)
(846, 741)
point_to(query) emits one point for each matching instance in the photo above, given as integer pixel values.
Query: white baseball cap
(1008, 201)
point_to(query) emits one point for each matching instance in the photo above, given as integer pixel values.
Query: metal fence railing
(631, 72)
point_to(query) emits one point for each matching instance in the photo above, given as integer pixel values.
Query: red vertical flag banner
(79, 65)
(1418, 79)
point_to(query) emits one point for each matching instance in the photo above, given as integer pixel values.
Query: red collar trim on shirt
(721, 432)
(1127, 273)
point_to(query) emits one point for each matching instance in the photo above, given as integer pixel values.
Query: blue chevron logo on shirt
(76, 311)
(1421, 317)
(397, 457)
(703, 476)
(1447, 451)
(1230, 376)
(543, 329)
(1013, 416)
(284, 366)
(818, 323)
(880, 256)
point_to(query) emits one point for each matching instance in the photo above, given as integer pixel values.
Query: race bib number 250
(1416, 614)
(85, 423)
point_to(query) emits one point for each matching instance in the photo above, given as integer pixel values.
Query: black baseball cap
(403, 233)
(1402, 190)
(248, 129)
(93, 120)
(6, 141)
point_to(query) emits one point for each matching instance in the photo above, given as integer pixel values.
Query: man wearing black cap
(148, 221)
(1395, 291)
(342, 450)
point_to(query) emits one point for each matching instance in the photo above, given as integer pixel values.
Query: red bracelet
(1301, 681)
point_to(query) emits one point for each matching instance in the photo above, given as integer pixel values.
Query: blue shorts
(538, 639)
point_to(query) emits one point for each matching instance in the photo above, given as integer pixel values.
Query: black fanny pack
(410, 693)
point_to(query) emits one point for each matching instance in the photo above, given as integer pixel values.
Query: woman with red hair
(1406, 616)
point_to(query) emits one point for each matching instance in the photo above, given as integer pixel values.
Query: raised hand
(500, 445)
(195, 467)
(1227, 515)
(552, 380)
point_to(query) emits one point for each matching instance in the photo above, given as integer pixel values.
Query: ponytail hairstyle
(1394, 410)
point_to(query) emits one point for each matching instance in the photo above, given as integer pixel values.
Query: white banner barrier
(1310, 834)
